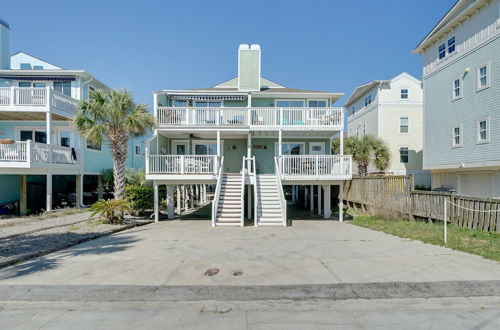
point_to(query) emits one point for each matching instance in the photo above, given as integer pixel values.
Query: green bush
(110, 211)
(139, 198)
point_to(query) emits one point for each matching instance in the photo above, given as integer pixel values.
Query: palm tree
(362, 149)
(113, 115)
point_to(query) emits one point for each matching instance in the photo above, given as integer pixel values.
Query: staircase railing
(255, 201)
(248, 168)
(280, 191)
(215, 201)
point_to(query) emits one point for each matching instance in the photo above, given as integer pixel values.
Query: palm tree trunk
(118, 143)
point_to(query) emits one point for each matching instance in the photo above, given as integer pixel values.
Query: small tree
(113, 115)
(362, 149)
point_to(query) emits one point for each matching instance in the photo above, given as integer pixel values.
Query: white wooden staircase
(230, 203)
(270, 202)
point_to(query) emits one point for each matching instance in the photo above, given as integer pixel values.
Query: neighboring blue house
(44, 170)
(461, 77)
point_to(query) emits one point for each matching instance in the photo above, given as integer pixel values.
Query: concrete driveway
(178, 253)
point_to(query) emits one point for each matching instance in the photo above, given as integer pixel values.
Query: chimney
(249, 68)
(4, 45)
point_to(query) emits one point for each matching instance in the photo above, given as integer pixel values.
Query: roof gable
(233, 83)
(23, 61)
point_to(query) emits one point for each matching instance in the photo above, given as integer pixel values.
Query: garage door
(475, 185)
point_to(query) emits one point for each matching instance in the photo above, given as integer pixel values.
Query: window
(403, 125)
(457, 88)
(404, 94)
(208, 104)
(364, 128)
(353, 110)
(317, 103)
(180, 103)
(483, 77)
(290, 103)
(96, 147)
(39, 136)
(205, 147)
(442, 51)
(483, 128)
(63, 87)
(368, 100)
(403, 155)
(137, 150)
(451, 45)
(457, 136)
(290, 148)
(65, 138)
(31, 84)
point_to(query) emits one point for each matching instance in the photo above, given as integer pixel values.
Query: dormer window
(442, 51)
(404, 93)
(368, 100)
(451, 45)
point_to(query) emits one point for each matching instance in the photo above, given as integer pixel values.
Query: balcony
(315, 167)
(28, 99)
(180, 167)
(28, 154)
(293, 119)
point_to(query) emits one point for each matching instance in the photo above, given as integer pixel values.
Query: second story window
(353, 110)
(404, 94)
(180, 103)
(317, 103)
(483, 131)
(483, 77)
(404, 155)
(404, 125)
(457, 136)
(63, 87)
(442, 51)
(137, 150)
(457, 88)
(368, 100)
(451, 45)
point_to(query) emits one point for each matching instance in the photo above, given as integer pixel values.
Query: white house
(392, 111)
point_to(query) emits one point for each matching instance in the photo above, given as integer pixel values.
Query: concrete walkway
(179, 253)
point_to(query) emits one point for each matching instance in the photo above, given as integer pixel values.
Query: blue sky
(151, 45)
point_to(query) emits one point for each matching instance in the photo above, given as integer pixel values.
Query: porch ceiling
(29, 116)
(288, 134)
(224, 134)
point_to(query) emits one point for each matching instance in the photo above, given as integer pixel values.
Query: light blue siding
(441, 114)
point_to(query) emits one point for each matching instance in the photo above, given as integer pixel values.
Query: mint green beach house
(250, 137)
(44, 163)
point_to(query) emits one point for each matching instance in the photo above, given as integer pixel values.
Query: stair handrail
(244, 171)
(255, 206)
(215, 201)
(281, 192)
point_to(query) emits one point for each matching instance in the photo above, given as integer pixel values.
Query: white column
(218, 144)
(178, 191)
(327, 213)
(341, 202)
(205, 194)
(249, 202)
(156, 202)
(306, 200)
(249, 145)
(191, 196)
(280, 142)
(341, 144)
(311, 198)
(319, 200)
(185, 198)
(48, 200)
(48, 123)
(79, 191)
(170, 201)
(196, 194)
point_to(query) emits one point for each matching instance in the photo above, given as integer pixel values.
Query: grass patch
(468, 240)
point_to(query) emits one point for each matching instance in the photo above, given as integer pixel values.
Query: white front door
(180, 148)
(316, 148)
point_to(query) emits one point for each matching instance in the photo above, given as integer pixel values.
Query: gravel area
(19, 226)
(22, 240)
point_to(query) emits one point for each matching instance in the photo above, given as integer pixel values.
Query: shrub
(139, 198)
(111, 211)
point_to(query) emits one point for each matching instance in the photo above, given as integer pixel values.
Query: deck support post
(327, 213)
(156, 201)
(185, 198)
(204, 194)
(191, 196)
(249, 202)
(319, 200)
(218, 145)
(341, 202)
(100, 189)
(306, 200)
(79, 190)
(311, 196)
(178, 191)
(23, 195)
(48, 199)
(170, 202)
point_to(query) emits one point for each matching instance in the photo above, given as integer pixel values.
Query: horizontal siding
(441, 113)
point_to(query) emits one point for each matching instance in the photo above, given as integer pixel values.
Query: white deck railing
(312, 167)
(180, 164)
(36, 154)
(218, 186)
(257, 118)
(37, 99)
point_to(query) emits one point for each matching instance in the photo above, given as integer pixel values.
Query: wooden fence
(381, 194)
